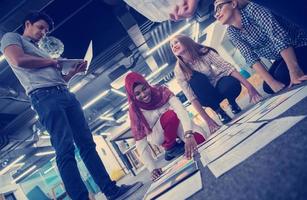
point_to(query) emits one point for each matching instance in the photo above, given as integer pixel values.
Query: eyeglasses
(219, 7)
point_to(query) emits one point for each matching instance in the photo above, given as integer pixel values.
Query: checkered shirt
(264, 34)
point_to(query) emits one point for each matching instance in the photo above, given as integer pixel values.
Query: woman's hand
(156, 173)
(254, 96)
(190, 147)
(297, 76)
(213, 126)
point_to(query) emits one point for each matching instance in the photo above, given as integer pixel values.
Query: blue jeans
(61, 114)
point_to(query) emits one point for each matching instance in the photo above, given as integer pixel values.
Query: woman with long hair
(257, 32)
(159, 118)
(206, 79)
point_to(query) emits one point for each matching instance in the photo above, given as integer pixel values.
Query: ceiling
(121, 37)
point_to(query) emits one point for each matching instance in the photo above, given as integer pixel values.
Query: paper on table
(184, 190)
(232, 137)
(284, 102)
(253, 144)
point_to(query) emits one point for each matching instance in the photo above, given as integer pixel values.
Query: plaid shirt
(212, 65)
(264, 34)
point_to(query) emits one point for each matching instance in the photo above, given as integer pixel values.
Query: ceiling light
(76, 87)
(122, 118)
(95, 99)
(168, 39)
(106, 118)
(2, 58)
(19, 164)
(45, 137)
(45, 153)
(118, 92)
(8, 167)
(157, 71)
(124, 107)
(196, 32)
(24, 173)
(48, 170)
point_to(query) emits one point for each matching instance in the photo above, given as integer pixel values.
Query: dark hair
(36, 16)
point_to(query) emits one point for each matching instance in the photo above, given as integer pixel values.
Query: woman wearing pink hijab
(158, 117)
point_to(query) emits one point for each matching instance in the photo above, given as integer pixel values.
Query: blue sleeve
(270, 25)
(10, 39)
(245, 49)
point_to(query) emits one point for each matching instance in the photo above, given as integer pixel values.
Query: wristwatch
(188, 134)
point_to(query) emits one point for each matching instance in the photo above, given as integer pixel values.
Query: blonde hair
(196, 51)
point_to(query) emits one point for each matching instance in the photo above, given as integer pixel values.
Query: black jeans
(61, 114)
(280, 72)
(226, 88)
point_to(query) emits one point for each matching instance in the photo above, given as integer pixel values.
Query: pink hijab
(160, 95)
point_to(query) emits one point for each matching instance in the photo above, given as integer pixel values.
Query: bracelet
(188, 134)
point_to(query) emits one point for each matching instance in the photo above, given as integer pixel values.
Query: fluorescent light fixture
(2, 58)
(76, 87)
(45, 153)
(49, 169)
(19, 164)
(24, 173)
(120, 81)
(104, 93)
(122, 118)
(52, 159)
(106, 118)
(125, 106)
(157, 71)
(8, 167)
(168, 39)
(196, 31)
(45, 137)
(118, 92)
(107, 113)
(105, 133)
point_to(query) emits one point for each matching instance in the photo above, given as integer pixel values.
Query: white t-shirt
(155, 10)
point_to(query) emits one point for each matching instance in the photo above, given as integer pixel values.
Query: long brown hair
(196, 51)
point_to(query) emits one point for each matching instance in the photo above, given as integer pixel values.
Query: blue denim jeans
(61, 114)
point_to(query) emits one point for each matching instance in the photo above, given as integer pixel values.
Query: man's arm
(17, 57)
(80, 67)
(186, 10)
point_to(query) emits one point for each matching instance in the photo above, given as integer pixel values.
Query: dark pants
(280, 72)
(226, 88)
(61, 114)
(170, 124)
(294, 10)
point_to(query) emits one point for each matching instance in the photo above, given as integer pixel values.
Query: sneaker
(224, 118)
(235, 109)
(124, 191)
(176, 151)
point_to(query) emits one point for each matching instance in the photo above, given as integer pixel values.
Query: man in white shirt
(162, 10)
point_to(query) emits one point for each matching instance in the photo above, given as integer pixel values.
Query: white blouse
(157, 136)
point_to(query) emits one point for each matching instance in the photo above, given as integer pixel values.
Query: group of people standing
(156, 115)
